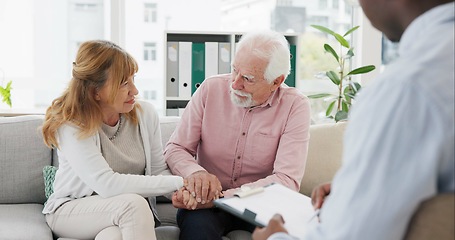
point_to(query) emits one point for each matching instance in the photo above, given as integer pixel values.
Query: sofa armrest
(434, 219)
(324, 155)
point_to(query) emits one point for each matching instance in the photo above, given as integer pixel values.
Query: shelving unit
(192, 57)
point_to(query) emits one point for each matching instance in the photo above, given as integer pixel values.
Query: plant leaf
(8, 86)
(8, 101)
(361, 70)
(355, 86)
(350, 53)
(341, 40)
(351, 90)
(337, 36)
(329, 49)
(324, 29)
(334, 77)
(348, 93)
(350, 31)
(344, 106)
(6, 97)
(329, 109)
(319, 95)
(349, 96)
(341, 115)
(6, 94)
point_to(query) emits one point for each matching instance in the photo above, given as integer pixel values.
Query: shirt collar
(273, 98)
(427, 20)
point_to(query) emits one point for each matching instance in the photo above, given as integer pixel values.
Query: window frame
(150, 49)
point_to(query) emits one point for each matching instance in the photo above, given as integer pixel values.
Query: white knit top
(83, 169)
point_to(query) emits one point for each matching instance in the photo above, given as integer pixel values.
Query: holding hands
(182, 198)
(200, 189)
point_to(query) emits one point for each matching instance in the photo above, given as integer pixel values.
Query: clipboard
(257, 206)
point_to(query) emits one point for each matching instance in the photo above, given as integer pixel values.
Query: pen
(315, 215)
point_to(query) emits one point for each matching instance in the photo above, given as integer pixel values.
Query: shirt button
(243, 134)
(238, 157)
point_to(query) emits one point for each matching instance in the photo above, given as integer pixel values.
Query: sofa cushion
(167, 126)
(324, 155)
(22, 158)
(238, 235)
(167, 232)
(49, 177)
(23, 222)
(167, 213)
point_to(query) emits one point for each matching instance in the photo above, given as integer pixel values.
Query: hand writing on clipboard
(276, 223)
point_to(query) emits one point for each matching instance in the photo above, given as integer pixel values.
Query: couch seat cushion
(23, 222)
(167, 213)
(167, 233)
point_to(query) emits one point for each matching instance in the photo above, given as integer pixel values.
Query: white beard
(242, 102)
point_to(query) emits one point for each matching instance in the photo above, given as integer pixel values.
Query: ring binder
(249, 215)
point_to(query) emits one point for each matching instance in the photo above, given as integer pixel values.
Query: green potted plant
(6, 94)
(347, 88)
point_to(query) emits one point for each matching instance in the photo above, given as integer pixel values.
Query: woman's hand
(182, 198)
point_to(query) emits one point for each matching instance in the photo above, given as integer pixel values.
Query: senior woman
(109, 149)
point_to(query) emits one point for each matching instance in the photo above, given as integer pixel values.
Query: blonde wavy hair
(95, 61)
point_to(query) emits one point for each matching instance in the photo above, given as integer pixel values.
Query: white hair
(270, 46)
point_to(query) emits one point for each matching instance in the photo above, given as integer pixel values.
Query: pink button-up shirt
(254, 146)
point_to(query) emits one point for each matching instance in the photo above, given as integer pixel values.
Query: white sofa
(23, 156)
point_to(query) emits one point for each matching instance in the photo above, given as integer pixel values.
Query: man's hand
(319, 194)
(205, 187)
(276, 224)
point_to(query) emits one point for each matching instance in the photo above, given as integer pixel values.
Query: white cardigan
(83, 170)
